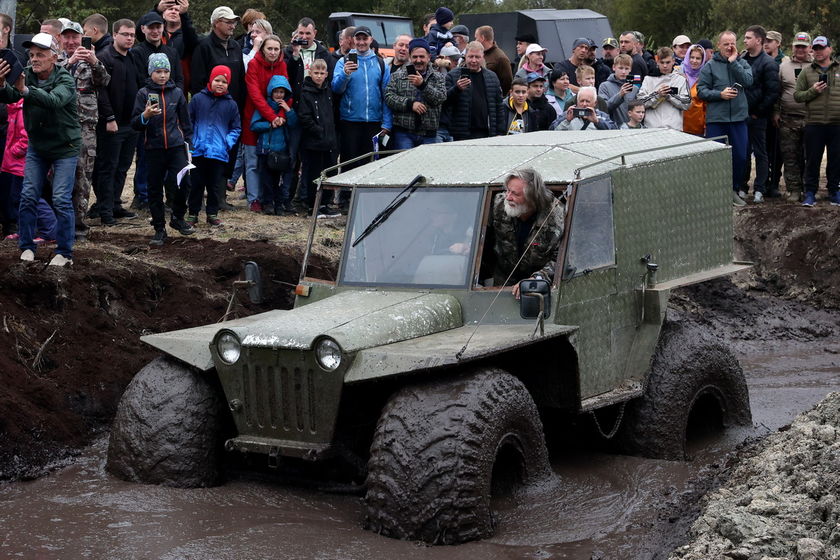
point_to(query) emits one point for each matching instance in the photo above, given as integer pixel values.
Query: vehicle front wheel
(443, 448)
(169, 428)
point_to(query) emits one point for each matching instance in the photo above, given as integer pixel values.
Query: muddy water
(601, 506)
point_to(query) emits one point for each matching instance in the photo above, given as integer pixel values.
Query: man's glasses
(127, 34)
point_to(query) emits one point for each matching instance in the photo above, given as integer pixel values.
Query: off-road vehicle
(410, 365)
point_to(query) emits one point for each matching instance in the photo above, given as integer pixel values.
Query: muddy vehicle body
(410, 365)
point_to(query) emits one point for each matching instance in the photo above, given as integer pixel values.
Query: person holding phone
(726, 104)
(789, 117)
(666, 95)
(818, 87)
(415, 95)
(474, 98)
(91, 78)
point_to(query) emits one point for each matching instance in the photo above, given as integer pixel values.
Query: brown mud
(57, 394)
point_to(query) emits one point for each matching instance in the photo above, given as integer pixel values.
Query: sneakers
(834, 198)
(42, 241)
(12, 237)
(793, 196)
(758, 197)
(192, 220)
(743, 195)
(214, 220)
(737, 200)
(255, 206)
(327, 212)
(61, 260)
(28, 256)
(158, 239)
(182, 227)
(810, 200)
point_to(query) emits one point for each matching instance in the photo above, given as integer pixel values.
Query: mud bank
(781, 499)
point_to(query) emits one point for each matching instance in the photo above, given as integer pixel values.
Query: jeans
(757, 132)
(738, 140)
(205, 177)
(64, 178)
(252, 175)
(406, 140)
(819, 137)
(444, 136)
(166, 163)
(274, 190)
(116, 150)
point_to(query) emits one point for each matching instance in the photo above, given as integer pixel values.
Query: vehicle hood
(356, 320)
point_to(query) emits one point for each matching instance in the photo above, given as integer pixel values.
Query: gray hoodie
(617, 105)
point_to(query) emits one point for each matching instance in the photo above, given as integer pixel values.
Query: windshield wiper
(386, 212)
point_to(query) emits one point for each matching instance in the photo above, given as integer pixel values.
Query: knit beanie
(419, 43)
(158, 61)
(444, 15)
(220, 70)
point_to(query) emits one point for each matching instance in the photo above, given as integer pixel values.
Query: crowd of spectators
(153, 92)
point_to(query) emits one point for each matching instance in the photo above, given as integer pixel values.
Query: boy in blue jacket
(273, 149)
(215, 118)
(160, 112)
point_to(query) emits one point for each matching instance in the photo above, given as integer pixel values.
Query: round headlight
(328, 354)
(229, 347)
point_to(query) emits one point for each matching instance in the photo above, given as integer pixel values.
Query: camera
(580, 112)
(301, 42)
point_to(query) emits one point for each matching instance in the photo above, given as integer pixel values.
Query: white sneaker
(758, 197)
(61, 260)
(27, 256)
(737, 200)
(743, 195)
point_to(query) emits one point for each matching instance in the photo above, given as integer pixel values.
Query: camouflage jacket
(89, 80)
(400, 96)
(540, 256)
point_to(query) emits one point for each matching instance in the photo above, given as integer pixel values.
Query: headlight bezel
(328, 354)
(228, 337)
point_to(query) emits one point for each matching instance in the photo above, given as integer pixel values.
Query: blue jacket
(363, 92)
(216, 125)
(274, 139)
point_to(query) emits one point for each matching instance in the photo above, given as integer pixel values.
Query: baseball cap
(534, 77)
(680, 40)
(525, 38)
(705, 43)
(534, 47)
(581, 41)
(610, 42)
(802, 39)
(221, 12)
(460, 30)
(150, 18)
(72, 26)
(40, 40)
(363, 30)
(449, 50)
(774, 36)
(820, 41)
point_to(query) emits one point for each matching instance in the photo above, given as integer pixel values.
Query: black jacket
(105, 41)
(295, 67)
(171, 128)
(140, 53)
(545, 113)
(116, 100)
(212, 52)
(184, 40)
(317, 118)
(764, 91)
(458, 104)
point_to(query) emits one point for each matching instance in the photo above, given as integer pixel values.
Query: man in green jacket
(52, 122)
(818, 87)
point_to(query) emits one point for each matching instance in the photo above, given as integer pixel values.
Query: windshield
(385, 31)
(429, 240)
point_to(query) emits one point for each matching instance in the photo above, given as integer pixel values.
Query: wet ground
(600, 506)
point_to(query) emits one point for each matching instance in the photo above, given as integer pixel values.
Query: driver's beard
(515, 210)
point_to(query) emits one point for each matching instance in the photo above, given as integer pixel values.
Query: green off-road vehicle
(411, 367)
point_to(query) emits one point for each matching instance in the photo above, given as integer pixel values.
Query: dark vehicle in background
(385, 28)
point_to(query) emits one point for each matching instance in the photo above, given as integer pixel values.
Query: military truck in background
(555, 30)
(385, 28)
(411, 367)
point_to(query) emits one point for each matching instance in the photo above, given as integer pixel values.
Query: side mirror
(534, 298)
(254, 286)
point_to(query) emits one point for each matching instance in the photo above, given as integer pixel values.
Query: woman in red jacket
(266, 63)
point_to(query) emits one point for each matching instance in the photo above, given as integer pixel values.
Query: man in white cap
(680, 45)
(52, 122)
(220, 48)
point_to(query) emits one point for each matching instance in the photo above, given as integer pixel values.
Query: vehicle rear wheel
(440, 449)
(168, 428)
(692, 382)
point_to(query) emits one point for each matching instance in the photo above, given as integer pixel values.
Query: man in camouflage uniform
(90, 75)
(528, 219)
(789, 116)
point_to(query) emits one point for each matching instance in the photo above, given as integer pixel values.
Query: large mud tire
(168, 428)
(685, 369)
(433, 456)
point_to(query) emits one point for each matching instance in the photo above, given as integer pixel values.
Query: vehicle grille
(279, 398)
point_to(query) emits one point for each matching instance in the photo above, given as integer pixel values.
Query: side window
(591, 236)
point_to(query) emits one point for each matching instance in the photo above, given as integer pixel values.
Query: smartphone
(824, 78)
(154, 99)
(582, 113)
(87, 43)
(796, 72)
(410, 69)
(14, 63)
(353, 57)
(465, 73)
(673, 90)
